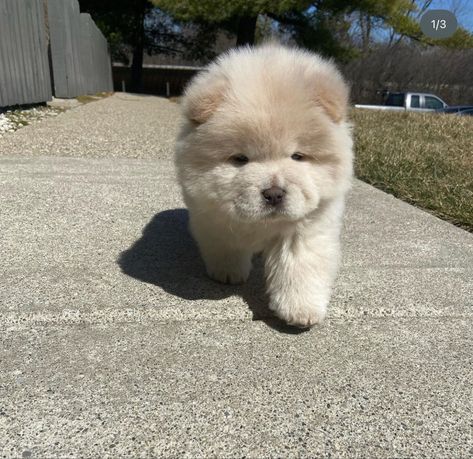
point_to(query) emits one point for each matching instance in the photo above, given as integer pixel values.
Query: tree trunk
(137, 68)
(246, 30)
(138, 49)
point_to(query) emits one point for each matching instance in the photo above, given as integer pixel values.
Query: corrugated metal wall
(79, 52)
(95, 57)
(24, 69)
(64, 30)
(79, 61)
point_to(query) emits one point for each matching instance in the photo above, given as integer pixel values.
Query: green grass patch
(425, 159)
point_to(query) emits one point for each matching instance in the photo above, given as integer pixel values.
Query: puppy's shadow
(167, 256)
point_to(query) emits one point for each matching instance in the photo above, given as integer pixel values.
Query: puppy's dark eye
(240, 159)
(297, 156)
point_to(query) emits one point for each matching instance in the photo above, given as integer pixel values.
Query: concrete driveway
(114, 343)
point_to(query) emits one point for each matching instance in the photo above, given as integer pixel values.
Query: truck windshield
(395, 100)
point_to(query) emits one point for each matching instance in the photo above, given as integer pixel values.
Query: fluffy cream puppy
(264, 159)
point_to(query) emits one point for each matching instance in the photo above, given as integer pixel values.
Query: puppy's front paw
(228, 272)
(302, 316)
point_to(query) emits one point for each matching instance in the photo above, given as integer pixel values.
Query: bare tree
(411, 67)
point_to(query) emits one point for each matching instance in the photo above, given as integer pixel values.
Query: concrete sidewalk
(114, 343)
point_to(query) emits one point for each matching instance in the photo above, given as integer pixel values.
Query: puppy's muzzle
(274, 195)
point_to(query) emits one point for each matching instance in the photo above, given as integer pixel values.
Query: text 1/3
(439, 24)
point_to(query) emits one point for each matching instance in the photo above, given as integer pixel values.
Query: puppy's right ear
(203, 96)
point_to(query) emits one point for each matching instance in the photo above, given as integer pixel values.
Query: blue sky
(463, 10)
(465, 13)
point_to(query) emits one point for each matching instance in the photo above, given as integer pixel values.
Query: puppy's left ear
(332, 93)
(203, 96)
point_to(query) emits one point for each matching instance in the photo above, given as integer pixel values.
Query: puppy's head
(265, 136)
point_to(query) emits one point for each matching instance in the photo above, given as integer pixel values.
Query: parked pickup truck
(414, 101)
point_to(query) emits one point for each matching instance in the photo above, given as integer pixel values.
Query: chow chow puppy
(264, 159)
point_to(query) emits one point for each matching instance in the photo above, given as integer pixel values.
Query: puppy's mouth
(264, 215)
(275, 214)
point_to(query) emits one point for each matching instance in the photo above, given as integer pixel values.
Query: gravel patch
(122, 125)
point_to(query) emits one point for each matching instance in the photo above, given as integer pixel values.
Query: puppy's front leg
(300, 271)
(224, 259)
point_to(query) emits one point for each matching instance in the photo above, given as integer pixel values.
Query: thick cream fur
(267, 103)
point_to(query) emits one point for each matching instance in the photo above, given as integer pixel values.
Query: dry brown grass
(85, 99)
(423, 158)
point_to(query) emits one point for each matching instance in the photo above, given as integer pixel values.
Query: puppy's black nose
(274, 195)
